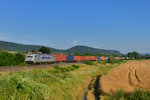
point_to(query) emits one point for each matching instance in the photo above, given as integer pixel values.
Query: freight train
(36, 58)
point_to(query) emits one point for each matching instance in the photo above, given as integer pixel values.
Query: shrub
(15, 87)
(19, 58)
(9, 59)
(111, 60)
(89, 63)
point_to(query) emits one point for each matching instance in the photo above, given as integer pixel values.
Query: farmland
(130, 78)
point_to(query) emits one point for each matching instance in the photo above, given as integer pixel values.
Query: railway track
(30, 67)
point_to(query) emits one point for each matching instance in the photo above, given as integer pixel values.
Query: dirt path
(29, 67)
(127, 76)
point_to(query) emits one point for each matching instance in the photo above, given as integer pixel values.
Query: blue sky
(122, 25)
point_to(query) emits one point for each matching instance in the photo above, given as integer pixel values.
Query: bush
(111, 60)
(89, 63)
(20, 58)
(15, 87)
(9, 59)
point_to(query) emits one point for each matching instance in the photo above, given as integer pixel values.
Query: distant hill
(85, 49)
(10, 46)
(145, 54)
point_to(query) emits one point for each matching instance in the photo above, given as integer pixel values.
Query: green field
(59, 83)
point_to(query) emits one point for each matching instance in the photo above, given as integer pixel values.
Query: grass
(89, 63)
(137, 94)
(59, 83)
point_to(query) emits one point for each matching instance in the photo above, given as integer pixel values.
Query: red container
(91, 58)
(122, 58)
(60, 57)
(96, 57)
(84, 58)
(119, 58)
(77, 58)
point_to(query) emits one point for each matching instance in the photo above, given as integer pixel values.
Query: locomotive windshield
(30, 56)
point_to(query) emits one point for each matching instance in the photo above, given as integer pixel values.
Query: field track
(30, 67)
(127, 76)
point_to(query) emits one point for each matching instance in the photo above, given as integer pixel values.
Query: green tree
(134, 54)
(20, 58)
(147, 56)
(33, 50)
(44, 49)
(77, 54)
(88, 54)
(111, 59)
(7, 59)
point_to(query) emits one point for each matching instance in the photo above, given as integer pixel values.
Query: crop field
(128, 78)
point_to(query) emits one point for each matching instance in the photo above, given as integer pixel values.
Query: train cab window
(30, 56)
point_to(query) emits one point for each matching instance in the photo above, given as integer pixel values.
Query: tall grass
(59, 83)
(32, 85)
(137, 94)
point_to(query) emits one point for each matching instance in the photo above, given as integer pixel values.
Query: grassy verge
(137, 94)
(59, 83)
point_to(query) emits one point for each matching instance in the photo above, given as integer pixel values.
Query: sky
(122, 25)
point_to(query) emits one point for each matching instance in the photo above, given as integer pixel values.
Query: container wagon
(92, 58)
(96, 58)
(84, 58)
(70, 58)
(99, 58)
(103, 58)
(77, 58)
(60, 57)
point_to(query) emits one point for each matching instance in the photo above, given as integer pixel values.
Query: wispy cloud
(96, 47)
(4, 36)
(28, 36)
(115, 22)
(74, 43)
(60, 21)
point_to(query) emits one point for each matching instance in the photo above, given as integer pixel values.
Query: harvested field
(127, 76)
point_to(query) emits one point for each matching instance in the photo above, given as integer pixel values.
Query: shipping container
(91, 58)
(70, 57)
(103, 58)
(116, 58)
(96, 57)
(77, 58)
(106, 58)
(127, 57)
(84, 58)
(99, 58)
(122, 58)
(60, 57)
